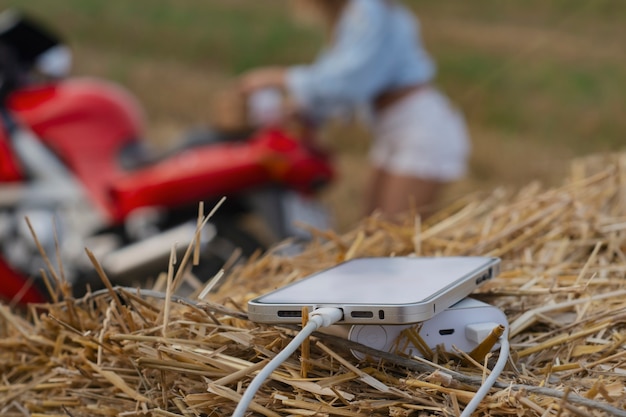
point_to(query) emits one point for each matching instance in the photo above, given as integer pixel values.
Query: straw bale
(124, 352)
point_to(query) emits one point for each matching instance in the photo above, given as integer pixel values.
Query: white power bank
(463, 326)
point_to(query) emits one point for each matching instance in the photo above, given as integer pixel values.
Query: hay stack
(563, 289)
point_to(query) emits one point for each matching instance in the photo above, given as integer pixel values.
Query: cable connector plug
(326, 316)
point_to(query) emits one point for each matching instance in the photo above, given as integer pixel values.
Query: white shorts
(422, 136)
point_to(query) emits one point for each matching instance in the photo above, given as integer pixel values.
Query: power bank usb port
(484, 277)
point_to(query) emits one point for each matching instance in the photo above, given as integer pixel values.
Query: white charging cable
(322, 317)
(491, 379)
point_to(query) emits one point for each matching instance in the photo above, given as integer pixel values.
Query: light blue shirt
(376, 48)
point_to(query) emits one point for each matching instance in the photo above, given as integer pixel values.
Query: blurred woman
(374, 62)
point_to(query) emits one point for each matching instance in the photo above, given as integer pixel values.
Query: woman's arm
(353, 69)
(349, 73)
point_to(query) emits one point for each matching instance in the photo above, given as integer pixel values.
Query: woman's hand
(255, 80)
(267, 77)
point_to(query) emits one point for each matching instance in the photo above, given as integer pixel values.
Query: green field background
(539, 81)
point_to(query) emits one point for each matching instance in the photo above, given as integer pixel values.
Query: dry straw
(563, 288)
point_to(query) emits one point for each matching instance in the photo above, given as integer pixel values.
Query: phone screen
(376, 281)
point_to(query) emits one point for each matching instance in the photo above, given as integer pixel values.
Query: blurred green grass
(540, 81)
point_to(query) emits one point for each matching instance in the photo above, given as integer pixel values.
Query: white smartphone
(397, 290)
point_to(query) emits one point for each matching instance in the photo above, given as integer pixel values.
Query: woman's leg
(372, 190)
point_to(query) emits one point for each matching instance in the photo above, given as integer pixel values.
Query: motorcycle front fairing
(86, 123)
(59, 145)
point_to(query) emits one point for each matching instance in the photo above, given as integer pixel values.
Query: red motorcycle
(73, 160)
